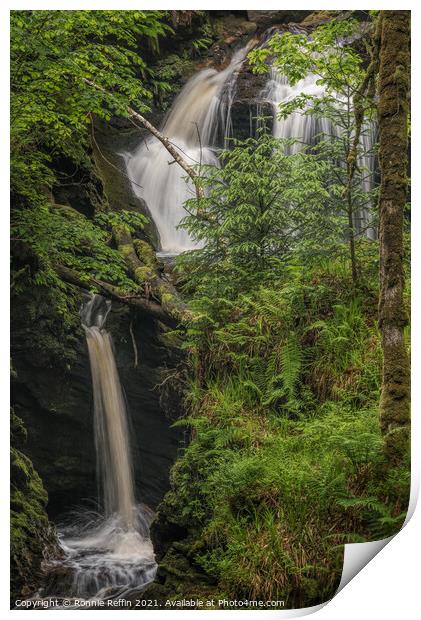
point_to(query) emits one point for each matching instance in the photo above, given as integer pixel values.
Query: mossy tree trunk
(141, 262)
(393, 117)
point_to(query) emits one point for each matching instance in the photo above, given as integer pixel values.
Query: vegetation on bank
(286, 462)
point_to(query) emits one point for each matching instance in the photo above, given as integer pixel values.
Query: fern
(291, 365)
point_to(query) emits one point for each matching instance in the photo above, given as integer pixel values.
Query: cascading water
(110, 421)
(302, 127)
(197, 124)
(305, 128)
(108, 555)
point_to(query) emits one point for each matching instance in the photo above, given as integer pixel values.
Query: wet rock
(32, 537)
(112, 143)
(56, 406)
(266, 18)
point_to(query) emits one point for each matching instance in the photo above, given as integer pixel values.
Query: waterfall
(197, 123)
(302, 127)
(106, 555)
(110, 421)
(305, 128)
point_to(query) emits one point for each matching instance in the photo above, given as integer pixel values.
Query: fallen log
(142, 266)
(111, 291)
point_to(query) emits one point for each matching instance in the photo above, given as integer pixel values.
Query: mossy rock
(31, 534)
(146, 253)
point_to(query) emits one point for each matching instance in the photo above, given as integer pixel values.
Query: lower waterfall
(107, 554)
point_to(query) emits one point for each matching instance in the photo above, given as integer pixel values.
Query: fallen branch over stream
(147, 306)
(172, 150)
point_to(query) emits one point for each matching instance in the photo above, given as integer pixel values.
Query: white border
(387, 587)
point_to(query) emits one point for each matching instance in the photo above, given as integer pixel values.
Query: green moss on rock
(145, 252)
(144, 274)
(31, 534)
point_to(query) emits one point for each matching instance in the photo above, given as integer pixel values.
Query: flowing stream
(110, 554)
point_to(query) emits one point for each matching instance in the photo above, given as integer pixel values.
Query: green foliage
(261, 208)
(63, 236)
(57, 235)
(332, 55)
(66, 68)
(170, 72)
(129, 220)
(286, 459)
(328, 53)
(53, 54)
(205, 38)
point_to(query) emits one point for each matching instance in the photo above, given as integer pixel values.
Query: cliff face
(32, 536)
(56, 406)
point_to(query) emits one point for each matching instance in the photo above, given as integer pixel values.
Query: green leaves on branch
(59, 235)
(260, 210)
(327, 53)
(130, 220)
(52, 53)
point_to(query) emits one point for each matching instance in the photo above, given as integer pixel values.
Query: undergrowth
(285, 463)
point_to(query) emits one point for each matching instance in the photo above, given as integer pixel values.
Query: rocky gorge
(55, 404)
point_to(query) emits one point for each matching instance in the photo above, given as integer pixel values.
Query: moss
(145, 252)
(166, 298)
(143, 274)
(125, 249)
(31, 535)
(393, 113)
(18, 433)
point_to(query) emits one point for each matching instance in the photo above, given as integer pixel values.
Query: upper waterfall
(197, 122)
(308, 128)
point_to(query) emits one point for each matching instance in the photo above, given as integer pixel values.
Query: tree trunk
(393, 114)
(143, 270)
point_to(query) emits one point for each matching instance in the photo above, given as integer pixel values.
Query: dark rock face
(56, 407)
(265, 18)
(112, 142)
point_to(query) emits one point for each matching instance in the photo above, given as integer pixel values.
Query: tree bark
(144, 272)
(392, 114)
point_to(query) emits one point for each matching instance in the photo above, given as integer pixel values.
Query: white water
(199, 122)
(305, 128)
(299, 126)
(110, 420)
(198, 119)
(108, 554)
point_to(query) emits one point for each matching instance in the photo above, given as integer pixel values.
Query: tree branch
(150, 308)
(164, 140)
